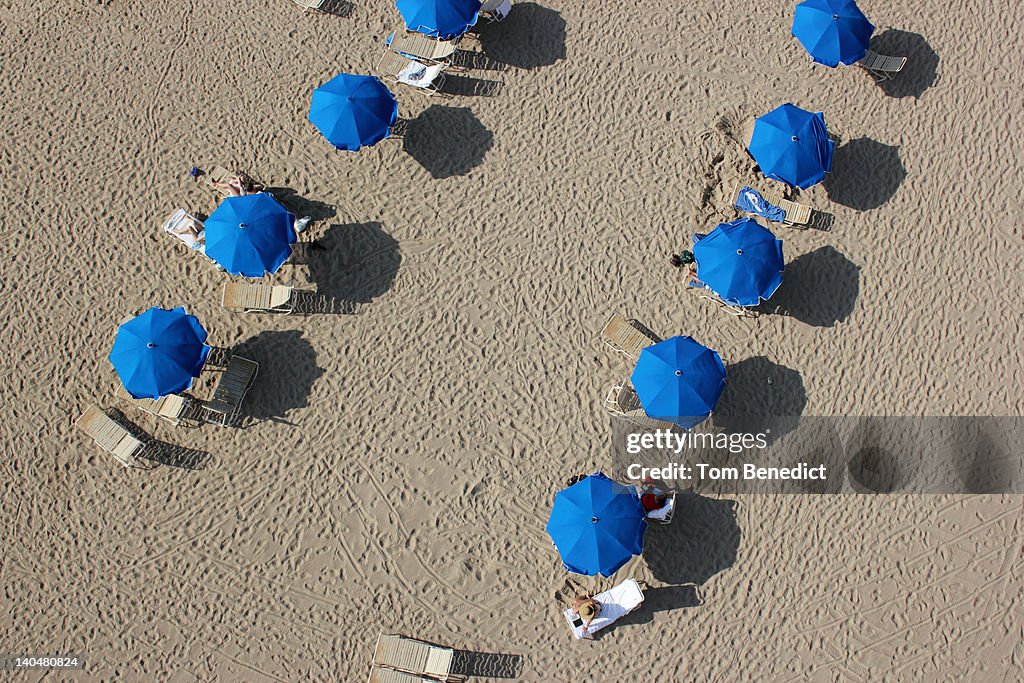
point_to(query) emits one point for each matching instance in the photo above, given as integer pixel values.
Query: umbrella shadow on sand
(760, 396)
(447, 141)
(286, 375)
(989, 466)
(920, 71)
(701, 541)
(819, 288)
(355, 263)
(531, 36)
(865, 174)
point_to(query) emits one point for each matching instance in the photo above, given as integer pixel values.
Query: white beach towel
(615, 604)
(419, 75)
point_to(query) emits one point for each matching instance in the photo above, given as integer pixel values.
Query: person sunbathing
(688, 263)
(189, 230)
(239, 185)
(587, 608)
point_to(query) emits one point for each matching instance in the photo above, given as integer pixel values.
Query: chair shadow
(173, 455)
(920, 71)
(820, 220)
(338, 8)
(486, 664)
(531, 36)
(819, 288)
(467, 86)
(162, 452)
(357, 263)
(286, 376)
(473, 60)
(760, 396)
(865, 174)
(301, 206)
(702, 540)
(881, 459)
(661, 599)
(447, 141)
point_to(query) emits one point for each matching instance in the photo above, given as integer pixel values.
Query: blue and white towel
(751, 201)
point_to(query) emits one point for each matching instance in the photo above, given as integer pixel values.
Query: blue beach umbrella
(740, 261)
(791, 144)
(679, 380)
(353, 111)
(832, 31)
(443, 19)
(597, 525)
(250, 235)
(159, 352)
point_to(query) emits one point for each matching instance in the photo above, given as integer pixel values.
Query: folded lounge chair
(171, 407)
(615, 604)
(257, 296)
(626, 336)
(792, 213)
(418, 46)
(231, 389)
(413, 656)
(881, 67)
(111, 436)
(400, 69)
(382, 675)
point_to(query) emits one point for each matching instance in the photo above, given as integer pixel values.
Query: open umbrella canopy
(597, 525)
(791, 144)
(443, 19)
(740, 261)
(833, 31)
(250, 235)
(679, 380)
(159, 352)
(353, 111)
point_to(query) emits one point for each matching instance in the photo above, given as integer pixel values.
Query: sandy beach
(400, 455)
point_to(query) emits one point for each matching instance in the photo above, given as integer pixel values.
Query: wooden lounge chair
(414, 657)
(218, 174)
(311, 5)
(418, 46)
(257, 296)
(111, 436)
(795, 214)
(382, 675)
(231, 389)
(883, 68)
(622, 401)
(171, 407)
(400, 69)
(626, 336)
